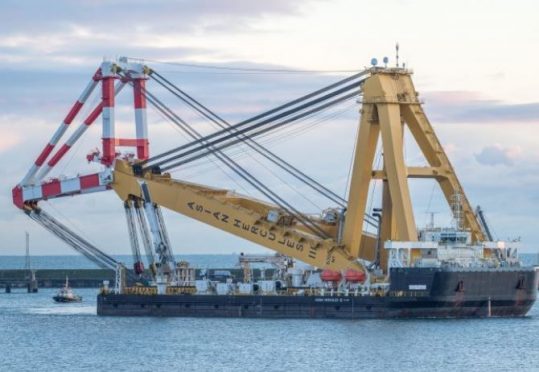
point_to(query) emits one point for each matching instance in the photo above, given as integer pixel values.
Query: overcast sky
(474, 64)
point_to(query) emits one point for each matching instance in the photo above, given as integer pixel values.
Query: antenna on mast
(30, 274)
(27, 258)
(397, 53)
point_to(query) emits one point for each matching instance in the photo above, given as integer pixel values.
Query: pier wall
(91, 278)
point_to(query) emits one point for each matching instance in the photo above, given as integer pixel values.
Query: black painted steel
(266, 153)
(263, 115)
(238, 169)
(202, 151)
(249, 141)
(241, 129)
(488, 292)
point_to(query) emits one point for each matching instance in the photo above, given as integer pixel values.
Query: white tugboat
(66, 294)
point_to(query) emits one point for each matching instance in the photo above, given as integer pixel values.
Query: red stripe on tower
(108, 92)
(139, 87)
(51, 189)
(59, 154)
(75, 136)
(16, 192)
(107, 85)
(44, 154)
(90, 181)
(127, 142)
(75, 109)
(73, 112)
(94, 114)
(139, 90)
(98, 75)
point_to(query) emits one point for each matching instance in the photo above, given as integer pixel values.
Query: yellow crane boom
(336, 241)
(389, 104)
(239, 215)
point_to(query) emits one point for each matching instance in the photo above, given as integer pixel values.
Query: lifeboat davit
(330, 276)
(354, 276)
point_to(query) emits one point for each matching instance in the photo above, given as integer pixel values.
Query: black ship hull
(414, 293)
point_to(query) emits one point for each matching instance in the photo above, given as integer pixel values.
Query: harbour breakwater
(93, 278)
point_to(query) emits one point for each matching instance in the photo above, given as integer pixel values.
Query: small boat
(66, 294)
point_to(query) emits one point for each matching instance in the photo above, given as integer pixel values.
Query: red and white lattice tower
(113, 77)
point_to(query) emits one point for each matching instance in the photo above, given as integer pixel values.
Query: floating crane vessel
(399, 271)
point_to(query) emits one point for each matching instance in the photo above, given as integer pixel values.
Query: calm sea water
(40, 335)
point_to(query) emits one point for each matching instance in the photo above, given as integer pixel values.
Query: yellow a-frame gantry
(389, 103)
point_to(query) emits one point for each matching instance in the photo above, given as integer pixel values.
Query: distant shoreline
(122, 254)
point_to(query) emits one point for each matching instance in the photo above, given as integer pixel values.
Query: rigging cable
(275, 159)
(270, 138)
(258, 117)
(222, 123)
(213, 161)
(244, 174)
(203, 151)
(241, 69)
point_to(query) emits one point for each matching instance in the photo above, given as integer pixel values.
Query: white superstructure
(450, 247)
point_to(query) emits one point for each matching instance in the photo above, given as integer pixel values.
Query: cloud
(8, 141)
(49, 51)
(38, 101)
(472, 107)
(498, 155)
(108, 16)
(65, 33)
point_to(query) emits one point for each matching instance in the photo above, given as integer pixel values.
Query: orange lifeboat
(330, 276)
(354, 276)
